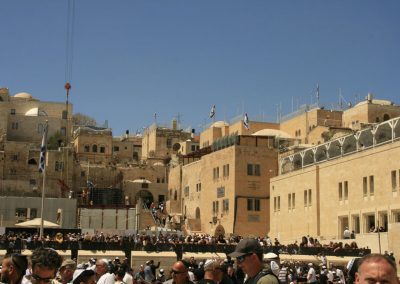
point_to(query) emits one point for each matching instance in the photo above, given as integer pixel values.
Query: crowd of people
(247, 264)
(143, 240)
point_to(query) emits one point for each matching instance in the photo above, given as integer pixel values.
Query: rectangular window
(14, 157)
(193, 148)
(305, 198)
(365, 186)
(83, 173)
(309, 197)
(275, 204)
(226, 170)
(32, 182)
(249, 169)
(102, 149)
(290, 201)
(250, 204)
(257, 205)
(257, 171)
(216, 207)
(186, 191)
(21, 212)
(293, 200)
(340, 191)
(63, 131)
(371, 185)
(279, 203)
(220, 191)
(116, 148)
(225, 205)
(394, 180)
(346, 191)
(14, 125)
(169, 142)
(13, 111)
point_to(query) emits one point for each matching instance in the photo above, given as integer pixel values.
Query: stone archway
(145, 196)
(219, 230)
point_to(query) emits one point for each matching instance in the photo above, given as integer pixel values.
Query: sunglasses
(177, 272)
(241, 258)
(40, 279)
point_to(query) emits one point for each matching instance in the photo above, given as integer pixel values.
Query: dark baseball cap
(246, 246)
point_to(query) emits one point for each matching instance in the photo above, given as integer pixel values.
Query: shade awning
(36, 223)
(141, 180)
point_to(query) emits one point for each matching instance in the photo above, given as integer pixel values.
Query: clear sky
(132, 59)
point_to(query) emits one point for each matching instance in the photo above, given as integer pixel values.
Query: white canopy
(141, 181)
(35, 223)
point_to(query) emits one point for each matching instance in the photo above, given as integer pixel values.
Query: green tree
(55, 141)
(82, 119)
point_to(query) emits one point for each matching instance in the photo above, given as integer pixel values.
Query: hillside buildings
(314, 173)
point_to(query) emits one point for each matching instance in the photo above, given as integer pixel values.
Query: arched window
(94, 148)
(32, 162)
(197, 213)
(386, 117)
(86, 148)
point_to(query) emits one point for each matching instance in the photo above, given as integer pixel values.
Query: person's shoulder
(170, 281)
(268, 279)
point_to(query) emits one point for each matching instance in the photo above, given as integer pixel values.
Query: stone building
(225, 190)
(342, 184)
(160, 143)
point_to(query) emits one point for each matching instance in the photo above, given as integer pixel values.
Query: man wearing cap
(249, 256)
(66, 271)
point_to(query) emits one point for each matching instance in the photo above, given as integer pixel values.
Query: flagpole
(43, 152)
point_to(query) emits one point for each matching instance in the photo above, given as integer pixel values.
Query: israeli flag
(42, 158)
(212, 112)
(246, 121)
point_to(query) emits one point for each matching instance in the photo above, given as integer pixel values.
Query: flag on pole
(42, 158)
(212, 112)
(246, 121)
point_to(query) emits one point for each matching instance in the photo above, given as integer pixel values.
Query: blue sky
(132, 59)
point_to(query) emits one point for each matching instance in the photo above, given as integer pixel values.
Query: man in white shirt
(311, 275)
(103, 276)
